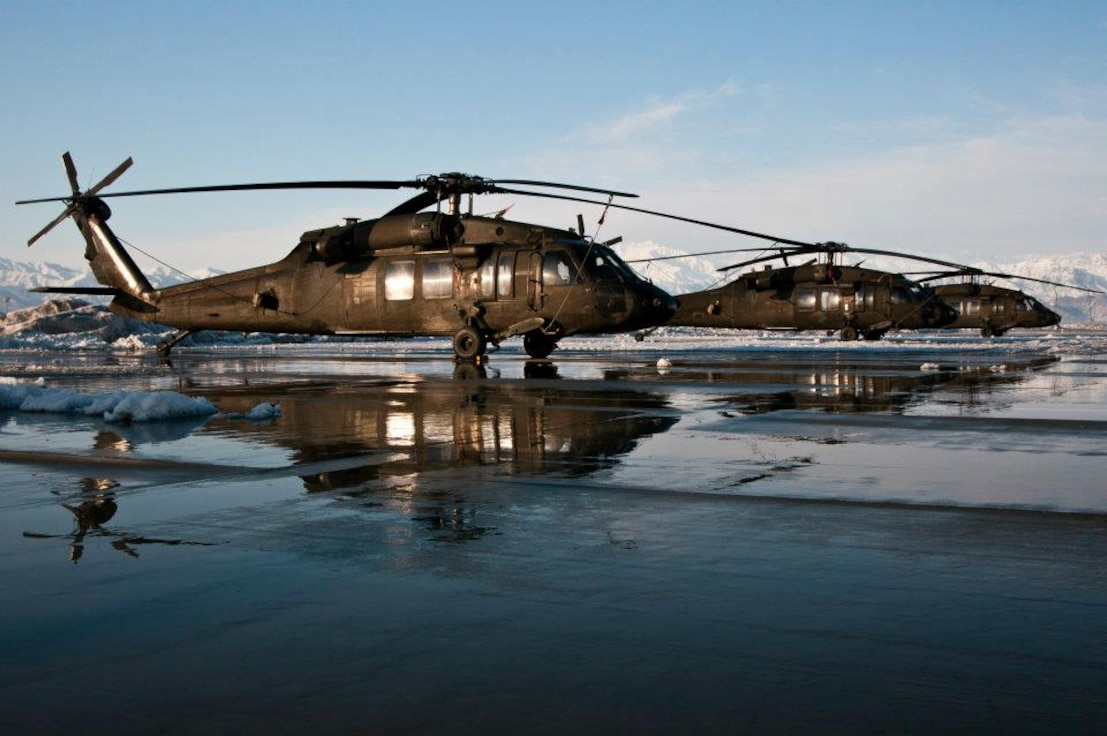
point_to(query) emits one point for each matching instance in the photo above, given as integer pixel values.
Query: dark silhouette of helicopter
(408, 272)
(994, 310)
(819, 294)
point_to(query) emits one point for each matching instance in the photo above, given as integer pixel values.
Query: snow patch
(121, 406)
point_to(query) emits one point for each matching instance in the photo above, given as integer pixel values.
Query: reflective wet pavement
(750, 541)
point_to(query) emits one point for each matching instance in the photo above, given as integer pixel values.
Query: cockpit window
(628, 273)
(558, 269)
(1025, 304)
(601, 269)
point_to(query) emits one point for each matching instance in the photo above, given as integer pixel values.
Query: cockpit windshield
(904, 291)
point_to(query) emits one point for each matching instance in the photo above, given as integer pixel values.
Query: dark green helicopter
(820, 294)
(994, 310)
(408, 272)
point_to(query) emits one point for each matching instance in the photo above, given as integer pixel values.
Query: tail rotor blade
(57, 220)
(71, 172)
(115, 174)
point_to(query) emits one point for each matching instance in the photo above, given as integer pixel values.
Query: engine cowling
(422, 230)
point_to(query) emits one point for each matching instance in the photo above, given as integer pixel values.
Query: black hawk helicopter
(406, 273)
(994, 310)
(819, 294)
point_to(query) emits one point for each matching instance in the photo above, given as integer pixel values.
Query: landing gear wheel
(538, 344)
(848, 333)
(469, 344)
(987, 331)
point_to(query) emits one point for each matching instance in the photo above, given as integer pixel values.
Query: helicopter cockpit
(906, 292)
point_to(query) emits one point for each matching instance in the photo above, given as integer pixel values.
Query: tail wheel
(469, 344)
(538, 344)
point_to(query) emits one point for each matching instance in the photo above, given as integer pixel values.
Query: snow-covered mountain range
(680, 274)
(18, 277)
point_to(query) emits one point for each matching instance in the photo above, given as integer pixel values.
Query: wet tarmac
(787, 538)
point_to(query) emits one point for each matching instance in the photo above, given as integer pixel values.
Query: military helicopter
(408, 272)
(994, 310)
(820, 294)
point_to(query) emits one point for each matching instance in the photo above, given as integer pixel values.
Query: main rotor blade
(780, 254)
(971, 271)
(533, 183)
(1042, 281)
(897, 254)
(694, 255)
(773, 238)
(843, 248)
(236, 188)
(71, 172)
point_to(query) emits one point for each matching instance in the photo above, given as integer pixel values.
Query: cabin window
(505, 270)
(399, 280)
(558, 269)
(866, 298)
(828, 300)
(438, 278)
(998, 307)
(488, 279)
(805, 300)
(970, 306)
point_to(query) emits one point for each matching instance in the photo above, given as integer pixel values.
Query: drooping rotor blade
(71, 172)
(54, 223)
(696, 255)
(416, 203)
(555, 185)
(970, 271)
(843, 248)
(895, 254)
(781, 253)
(752, 234)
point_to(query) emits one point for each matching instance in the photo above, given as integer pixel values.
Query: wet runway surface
(781, 539)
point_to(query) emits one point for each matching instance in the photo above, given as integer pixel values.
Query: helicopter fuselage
(994, 309)
(499, 277)
(851, 300)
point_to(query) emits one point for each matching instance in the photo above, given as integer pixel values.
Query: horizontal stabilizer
(93, 290)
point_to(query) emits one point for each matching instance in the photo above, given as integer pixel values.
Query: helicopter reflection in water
(847, 388)
(523, 428)
(96, 507)
(516, 426)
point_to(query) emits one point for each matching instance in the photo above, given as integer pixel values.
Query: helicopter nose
(667, 306)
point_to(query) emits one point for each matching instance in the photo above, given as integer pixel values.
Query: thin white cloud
(658, 112)
(1035, 187)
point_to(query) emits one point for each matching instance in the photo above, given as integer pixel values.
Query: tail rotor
(75, 201)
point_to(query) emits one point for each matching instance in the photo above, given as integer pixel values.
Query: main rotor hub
(456, 183)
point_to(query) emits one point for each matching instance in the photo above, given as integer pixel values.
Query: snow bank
(121, 406)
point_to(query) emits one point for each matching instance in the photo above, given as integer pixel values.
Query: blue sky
(957, 129)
